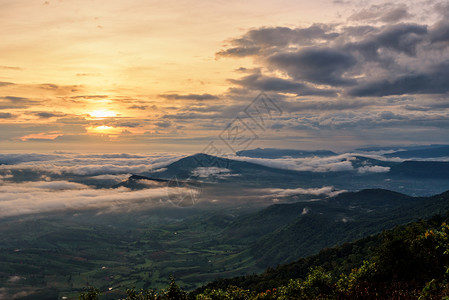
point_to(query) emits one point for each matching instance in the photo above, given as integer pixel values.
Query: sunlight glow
(104, 130)
(102, 113)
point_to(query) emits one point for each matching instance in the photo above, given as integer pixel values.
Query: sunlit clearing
(102, 113)
(104, 129)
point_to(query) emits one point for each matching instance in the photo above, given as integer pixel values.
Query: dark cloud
(327, 105)
(9, 102)
(440, 32)
(402, 38)
(259, 41)
(189, 97)
(163, 124)
(365, 120)
(2, 83)
(129, 124)
(434, 81)
(204, 108)
(191, 116)
(316, 65)
(49, 86)
(358, 61)
(6, 116)
(47, 115)
(140, 107)
(73, 121)
(238, 51)
(273, 84)
(417, 108)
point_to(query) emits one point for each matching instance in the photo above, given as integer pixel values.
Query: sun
(102, 113)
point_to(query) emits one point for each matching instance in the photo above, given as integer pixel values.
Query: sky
(185, 76)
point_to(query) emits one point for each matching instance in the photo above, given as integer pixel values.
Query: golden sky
(108, 73)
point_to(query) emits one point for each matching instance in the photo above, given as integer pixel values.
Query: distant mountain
(278, 153)
(400, 148)
(429, 152)
(344, 218)
(231, 171)
(413, 178)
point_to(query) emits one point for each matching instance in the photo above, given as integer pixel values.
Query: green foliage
(142, 294)
(317, 284)
(173, 292)
(367, 272)
(91, 294)
(232, 292)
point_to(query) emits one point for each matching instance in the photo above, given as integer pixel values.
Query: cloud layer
(40, 197)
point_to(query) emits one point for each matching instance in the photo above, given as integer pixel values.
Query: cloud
(191, 116)
(238, 51)
(47, 115)
(315, 65)
(56, 185)
(189, 97)
(338, 163)
(9, 102)
(140, 107)
(210, 171)
(352, 61)
(122, 123)
(20, 158)
(387, 12)
(10, 68)
(402, 38)
(273, 84)
(109, 177)
(86, 165)
(3, 83)
(439, 33)
(373, 169)
(39, 197)
(163, 124)
(265, 40)
(442, 9)
(6, 116)
(432, 81)
(325, 190)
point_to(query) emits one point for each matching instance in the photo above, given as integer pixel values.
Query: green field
(58, 256)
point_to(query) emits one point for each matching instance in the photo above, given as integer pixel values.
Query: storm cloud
(362, 60)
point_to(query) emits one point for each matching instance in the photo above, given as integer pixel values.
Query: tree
(91, 294)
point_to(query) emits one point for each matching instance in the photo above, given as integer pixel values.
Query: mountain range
(251, 213)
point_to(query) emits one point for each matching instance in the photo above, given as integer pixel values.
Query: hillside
(406, 262)
(427, 152)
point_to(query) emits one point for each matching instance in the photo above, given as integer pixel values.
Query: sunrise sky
(143, 75)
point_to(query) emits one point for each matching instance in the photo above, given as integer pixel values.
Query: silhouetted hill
(424, 169)
(433, 151)
(278, 153)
